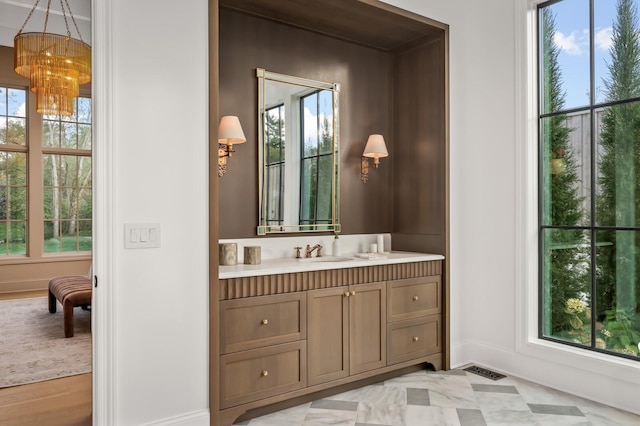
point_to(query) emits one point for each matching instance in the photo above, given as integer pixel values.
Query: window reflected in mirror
(298, 154)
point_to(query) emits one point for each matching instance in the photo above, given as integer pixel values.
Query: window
(274, 164)
(316, 158)
(589, 174)
(67, 180)
(13, 172)
(45, 178)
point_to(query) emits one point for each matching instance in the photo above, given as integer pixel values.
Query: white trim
(556, 371)
(104, 208)
(583, 366)
(526, 173)
(197, 418)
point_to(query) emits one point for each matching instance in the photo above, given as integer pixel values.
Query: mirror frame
(334, 227)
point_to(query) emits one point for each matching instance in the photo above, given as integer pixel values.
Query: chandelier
(56, 65)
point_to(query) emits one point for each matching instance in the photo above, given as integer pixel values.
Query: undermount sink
(326, 259)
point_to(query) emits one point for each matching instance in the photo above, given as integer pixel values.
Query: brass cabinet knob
(265, 373)
(353, 292)
(415, 338)
(265, 321)
(347, 294)
(415, 298)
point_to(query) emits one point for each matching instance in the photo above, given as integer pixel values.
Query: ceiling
(13, 13)
(378, 26)
(383, 29)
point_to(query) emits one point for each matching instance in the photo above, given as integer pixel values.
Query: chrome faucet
(309, 250)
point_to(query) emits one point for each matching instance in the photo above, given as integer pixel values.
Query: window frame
(35, 151)
(528, 208)
(313, 217)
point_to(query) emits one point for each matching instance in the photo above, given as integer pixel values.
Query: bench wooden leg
(67, 318)
(52, 303)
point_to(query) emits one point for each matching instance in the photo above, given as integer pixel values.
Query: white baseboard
(196, 418)
(596, 384)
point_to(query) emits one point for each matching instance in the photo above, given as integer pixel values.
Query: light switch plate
(141, 235)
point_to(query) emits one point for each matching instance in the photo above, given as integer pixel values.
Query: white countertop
(290, 264)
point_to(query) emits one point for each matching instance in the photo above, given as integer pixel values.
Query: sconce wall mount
(229, 133)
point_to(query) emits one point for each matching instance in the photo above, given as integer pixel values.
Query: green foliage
(621, 331)
(317, 169)
(562, 204)
(275, 134)
(579, 316)
(618, 203)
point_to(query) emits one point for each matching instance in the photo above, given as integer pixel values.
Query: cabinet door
(367, 327)
(327, 335)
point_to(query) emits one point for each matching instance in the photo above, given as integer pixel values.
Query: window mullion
(592, 123)
(34, 175)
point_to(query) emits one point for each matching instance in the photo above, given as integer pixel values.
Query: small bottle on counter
(335, 248)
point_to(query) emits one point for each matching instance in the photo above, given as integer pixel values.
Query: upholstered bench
(71, 291)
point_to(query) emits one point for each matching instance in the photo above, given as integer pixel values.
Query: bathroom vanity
(290, 328)
(285, 332)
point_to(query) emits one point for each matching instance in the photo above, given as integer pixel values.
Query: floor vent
(485, 373)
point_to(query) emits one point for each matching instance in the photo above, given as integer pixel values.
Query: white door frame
(104, 209)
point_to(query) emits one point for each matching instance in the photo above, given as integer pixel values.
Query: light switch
(153, 235)
(141, 235)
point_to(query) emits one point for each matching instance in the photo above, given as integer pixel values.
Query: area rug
(32, 343)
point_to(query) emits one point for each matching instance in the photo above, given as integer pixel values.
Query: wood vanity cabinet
(413, 315)
(263, 351)
(286, 336)
(346, 331)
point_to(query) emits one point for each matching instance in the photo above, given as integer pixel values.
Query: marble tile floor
(454, 397)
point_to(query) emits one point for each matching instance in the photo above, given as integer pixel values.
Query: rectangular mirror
(298, 134)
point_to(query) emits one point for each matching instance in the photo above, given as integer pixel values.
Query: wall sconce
(375, 149)
(229, 133)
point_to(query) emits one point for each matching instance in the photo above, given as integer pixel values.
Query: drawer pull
(415, 298)
(265, 373)
(347, 294)
(415, 338)
(353, 292)
(265, 321)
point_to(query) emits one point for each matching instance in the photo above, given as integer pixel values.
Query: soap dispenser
(335, 248)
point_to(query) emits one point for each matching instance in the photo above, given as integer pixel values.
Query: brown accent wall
(420, 165)
(366, 78)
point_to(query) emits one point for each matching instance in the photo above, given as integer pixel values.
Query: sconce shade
(375, 147)
(230, 131)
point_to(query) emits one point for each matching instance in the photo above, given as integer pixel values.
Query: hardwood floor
(58, 402)
(23, 294)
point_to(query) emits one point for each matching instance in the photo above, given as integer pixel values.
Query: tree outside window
(13, 172)
(589, 62)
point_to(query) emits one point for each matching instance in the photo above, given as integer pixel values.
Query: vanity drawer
(413, 298)
(412, 339)
(255, 322)
(251, 375)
